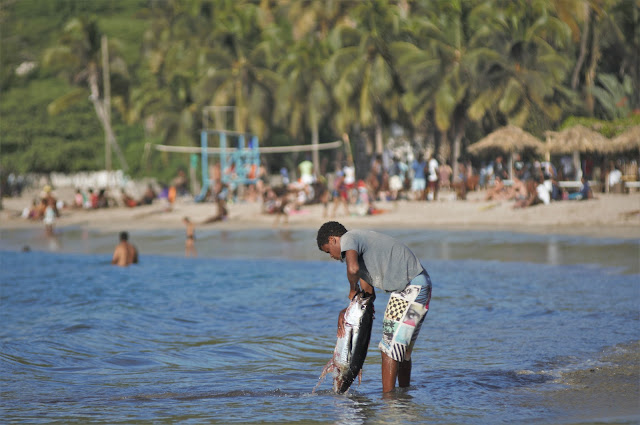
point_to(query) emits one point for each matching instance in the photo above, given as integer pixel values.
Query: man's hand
(341, 323)
(352, 293)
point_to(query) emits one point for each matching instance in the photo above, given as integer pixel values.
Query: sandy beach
(609, 215)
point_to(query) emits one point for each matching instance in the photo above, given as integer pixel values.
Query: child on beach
(373, 261)
(49, 216)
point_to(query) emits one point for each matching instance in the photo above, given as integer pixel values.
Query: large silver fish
(351, 349)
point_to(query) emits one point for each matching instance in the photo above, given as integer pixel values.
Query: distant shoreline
(608, 216)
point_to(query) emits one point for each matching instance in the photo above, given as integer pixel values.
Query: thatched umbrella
(509, 139)
(626, 141)
(576, 140)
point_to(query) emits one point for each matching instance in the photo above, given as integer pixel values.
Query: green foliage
(69, 138)
(73, 140)
(32, 140)
(613, 96)
(28, 27)
(605, 127)
(295, 70)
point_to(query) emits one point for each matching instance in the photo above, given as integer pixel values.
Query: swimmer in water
(125, 252)
(190, 243)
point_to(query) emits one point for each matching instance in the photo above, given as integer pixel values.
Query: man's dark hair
(124, 236)
(330, 228)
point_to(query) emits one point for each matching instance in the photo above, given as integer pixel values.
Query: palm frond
(512, 95)
(444, 106)
(64, 102)
(483, 103)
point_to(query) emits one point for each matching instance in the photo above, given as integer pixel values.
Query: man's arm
(116, 255)
(351, 257)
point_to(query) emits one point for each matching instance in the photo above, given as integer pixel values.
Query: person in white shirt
(543, 192)
(433, 178)
(615, 177)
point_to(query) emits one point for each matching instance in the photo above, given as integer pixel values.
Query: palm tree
(622, 41)
(315, 18)
(597, 25)
(440, 68)
(198, 56)
(238, 69)
(524, 77)
(304, 98)
(613, 96)
(367, 87)
(173, 48)
(78, 56)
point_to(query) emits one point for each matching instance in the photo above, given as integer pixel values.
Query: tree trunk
(457, 147)
(362, 155)
(447, 152)
(106, 82)
(458, 127)
(444, 149)
(591, 71)
(583, 49)
(100, 111)
(314, 144)
(379, 141)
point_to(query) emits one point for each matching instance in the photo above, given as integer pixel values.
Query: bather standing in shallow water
(190, 242)
(125, 252)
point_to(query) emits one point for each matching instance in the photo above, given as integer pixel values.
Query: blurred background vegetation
(448, 72)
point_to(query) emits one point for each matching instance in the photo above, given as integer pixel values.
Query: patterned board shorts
(403, 318)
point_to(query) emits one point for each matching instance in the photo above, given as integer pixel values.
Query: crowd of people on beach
(390, 177)
(421, 179)
(46, 208)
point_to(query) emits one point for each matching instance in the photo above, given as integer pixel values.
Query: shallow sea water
(241, 333)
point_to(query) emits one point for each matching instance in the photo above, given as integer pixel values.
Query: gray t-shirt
(385, 263)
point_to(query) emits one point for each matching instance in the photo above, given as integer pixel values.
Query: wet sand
(607, 392)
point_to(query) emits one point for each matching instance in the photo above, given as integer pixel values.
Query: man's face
(333, 248)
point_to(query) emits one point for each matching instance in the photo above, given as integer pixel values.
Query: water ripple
(224, 340)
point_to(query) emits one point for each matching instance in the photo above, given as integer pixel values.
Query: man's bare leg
(389, 373)
(404, 374)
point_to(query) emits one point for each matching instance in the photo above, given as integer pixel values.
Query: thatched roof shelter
(508, 139)
(576, 139)
(627, 141)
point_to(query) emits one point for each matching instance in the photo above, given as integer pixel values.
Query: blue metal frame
(242, 159)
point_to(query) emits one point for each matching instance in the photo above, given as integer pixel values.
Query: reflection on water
(553, 251)
(301, 245)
